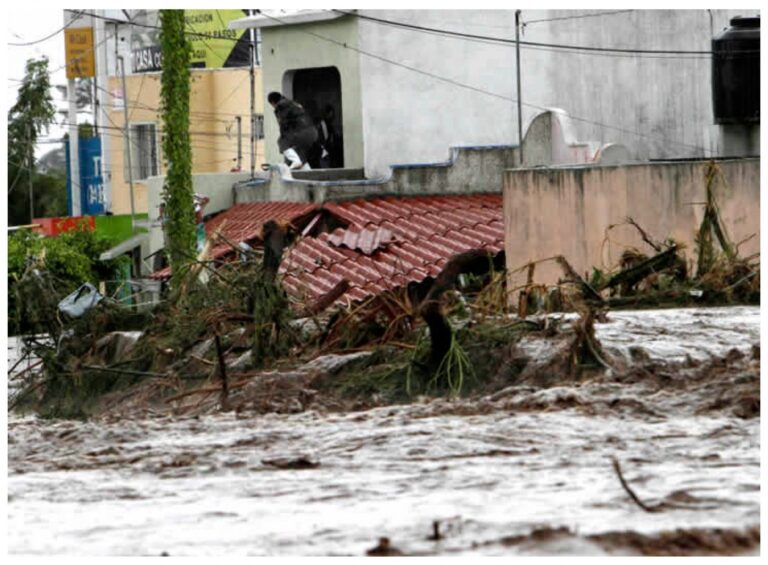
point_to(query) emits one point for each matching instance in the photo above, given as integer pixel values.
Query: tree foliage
(30, 116)
(177, 193)
(33, 111)
(68, 261)
(49, 193)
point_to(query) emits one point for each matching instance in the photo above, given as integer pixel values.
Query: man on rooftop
(297, 132)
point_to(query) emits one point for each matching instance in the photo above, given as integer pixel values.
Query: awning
(123, 247)
(274, 18)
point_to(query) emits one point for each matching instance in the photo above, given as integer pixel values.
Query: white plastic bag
(80, 301)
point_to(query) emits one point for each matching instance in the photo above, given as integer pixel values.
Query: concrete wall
(470, 169)
(549, 140)
(302, 46)
(217, 96)
(659, 107)
(566, 211)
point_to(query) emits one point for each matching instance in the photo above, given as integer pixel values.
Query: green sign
(214, 45)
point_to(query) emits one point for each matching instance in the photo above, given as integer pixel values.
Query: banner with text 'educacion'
(214, 45)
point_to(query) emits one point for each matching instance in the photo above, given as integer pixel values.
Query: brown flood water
(524, 471)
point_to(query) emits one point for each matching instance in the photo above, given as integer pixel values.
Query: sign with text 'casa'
(79, 52)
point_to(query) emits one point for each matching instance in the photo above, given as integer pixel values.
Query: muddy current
(524, 470)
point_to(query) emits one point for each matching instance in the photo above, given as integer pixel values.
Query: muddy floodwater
(499, 479)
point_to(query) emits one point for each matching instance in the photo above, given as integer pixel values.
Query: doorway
(319, 91)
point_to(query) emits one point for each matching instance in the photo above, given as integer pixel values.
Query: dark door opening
(319, 91)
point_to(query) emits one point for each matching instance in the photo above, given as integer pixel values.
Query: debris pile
(237, 335)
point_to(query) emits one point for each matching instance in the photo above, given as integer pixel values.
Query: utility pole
(74, 149)
(239, 121)
(519, 96)
(252, 33)
(74, 138)
(31, 171)
(100, 31)
(127, 130)
(95, 78)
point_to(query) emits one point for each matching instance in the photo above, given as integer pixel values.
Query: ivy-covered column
(177, 191)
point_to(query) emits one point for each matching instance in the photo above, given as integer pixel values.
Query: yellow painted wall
(217, 97)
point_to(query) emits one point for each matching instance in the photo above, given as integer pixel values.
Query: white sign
(118, 100)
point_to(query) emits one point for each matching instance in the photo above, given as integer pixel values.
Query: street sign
(81, 60)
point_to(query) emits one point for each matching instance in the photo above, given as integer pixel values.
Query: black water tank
(736, 72)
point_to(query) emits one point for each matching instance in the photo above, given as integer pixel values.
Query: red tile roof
(365, 239)
(244, 223)
(426, 231)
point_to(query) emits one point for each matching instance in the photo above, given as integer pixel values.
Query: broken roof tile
(427, 231)
(365, 239)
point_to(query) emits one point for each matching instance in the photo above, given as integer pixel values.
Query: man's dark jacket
(296, 128)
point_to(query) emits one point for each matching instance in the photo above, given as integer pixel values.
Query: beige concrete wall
(566, 211)
(216, 98)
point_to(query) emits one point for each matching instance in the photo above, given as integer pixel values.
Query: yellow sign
(214, 45)
(81, 62)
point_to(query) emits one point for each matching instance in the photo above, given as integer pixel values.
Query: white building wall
(409, 117)
(657, 106)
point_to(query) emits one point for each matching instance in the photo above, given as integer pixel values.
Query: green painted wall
(292, 47)
(117, 228)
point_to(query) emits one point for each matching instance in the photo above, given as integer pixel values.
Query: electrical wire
(199, 113)
(157, 27)
(578, 17)
(85, 53)
(522, 42)
(483, 91)
(77, 16)
(138, 96)
(200, 146)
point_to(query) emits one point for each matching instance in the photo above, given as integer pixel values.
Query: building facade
(409, 84)
(220, 123)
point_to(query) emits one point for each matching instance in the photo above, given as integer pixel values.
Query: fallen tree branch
(646, 238)
(208, 390)
(224, 399)
(327, 299)
(587, 291)
(26, 369)
(629, 491)
(633, 275)
(23, 394)
(125, 371)
(19, 361)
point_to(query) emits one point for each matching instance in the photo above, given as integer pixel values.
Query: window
(143, 151)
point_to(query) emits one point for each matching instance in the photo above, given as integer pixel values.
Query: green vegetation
(30, 116)
(399, 373)
(174, 93)
(64, 263)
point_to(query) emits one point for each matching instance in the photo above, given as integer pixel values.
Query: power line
(114, 35)
(149, 26)
(482, 91)
(577, 17)
(138, 96)
(522, 43)
(219, 146)
(141, 105)
(85, 53)
(77, 16)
